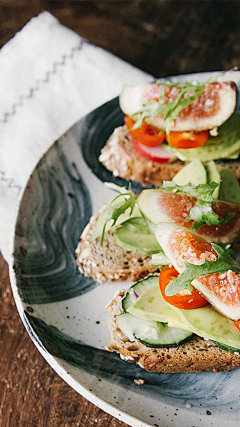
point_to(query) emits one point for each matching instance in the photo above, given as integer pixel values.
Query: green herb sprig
(114, 214)
(202, 212)
(223, 263)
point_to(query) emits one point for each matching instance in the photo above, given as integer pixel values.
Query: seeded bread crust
(197, 355)
(119, 156)
(110, 262)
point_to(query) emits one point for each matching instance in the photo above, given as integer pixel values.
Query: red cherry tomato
(187, 139)
(237, 324)
(155, 154)
(186, 302)
(146, 134)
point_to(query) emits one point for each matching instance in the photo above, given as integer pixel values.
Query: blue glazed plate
(65, 313)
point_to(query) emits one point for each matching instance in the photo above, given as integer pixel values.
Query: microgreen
(129, 200)
(202, 212)
(223, 263)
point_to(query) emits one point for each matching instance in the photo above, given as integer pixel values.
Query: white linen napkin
(49, 78)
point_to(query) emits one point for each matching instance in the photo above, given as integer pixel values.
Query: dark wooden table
(164, 38)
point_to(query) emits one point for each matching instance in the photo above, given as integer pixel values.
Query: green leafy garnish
(113, 215)
(201, 213)
(187, 94)
(228, 248)
(223, 263)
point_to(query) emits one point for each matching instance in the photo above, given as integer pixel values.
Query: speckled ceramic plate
(65, 313)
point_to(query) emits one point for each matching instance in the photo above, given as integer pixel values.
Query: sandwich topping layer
(120, 157)
(164, 206)
(169, 123)
(178, 225)
(215, 103)
(197, 355)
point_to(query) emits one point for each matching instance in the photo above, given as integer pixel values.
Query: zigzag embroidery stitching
(11, 183)
(45, 80)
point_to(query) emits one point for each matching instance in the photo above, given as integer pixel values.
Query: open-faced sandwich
(183, 316)
(170, 124)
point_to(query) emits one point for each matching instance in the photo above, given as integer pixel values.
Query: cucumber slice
(204, 321)
(135, 235)
(136, 290)
(226, 347)
(151, 334)
(229, 188)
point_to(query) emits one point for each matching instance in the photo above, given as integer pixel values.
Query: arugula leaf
(223, 262)
(201, 213)
(228, 248)
(202, 191)
(118, 188)
(113, 215)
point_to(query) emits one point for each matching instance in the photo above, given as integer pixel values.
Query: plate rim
(52, 360)
(62, 371)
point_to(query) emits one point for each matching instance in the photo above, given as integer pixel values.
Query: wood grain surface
(164, 38)
(31, 394)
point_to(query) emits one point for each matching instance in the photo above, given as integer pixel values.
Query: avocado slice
(197, 173)
(229, 188)
(151, 306)
(135, 235)
(113, 204)
(204, 322)
(222, 146)
(213, 175)
(194, 172)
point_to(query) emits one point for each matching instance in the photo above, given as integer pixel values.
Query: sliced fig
(209, 110)
(222, 290)
(162, 206)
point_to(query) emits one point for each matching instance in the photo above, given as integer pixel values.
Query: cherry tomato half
(186, 302)
(237, 324)
(187, 139)
(146, 134)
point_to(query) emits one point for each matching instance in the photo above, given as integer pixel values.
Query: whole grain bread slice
(119, 156)
(109, 262)
(197, 355)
